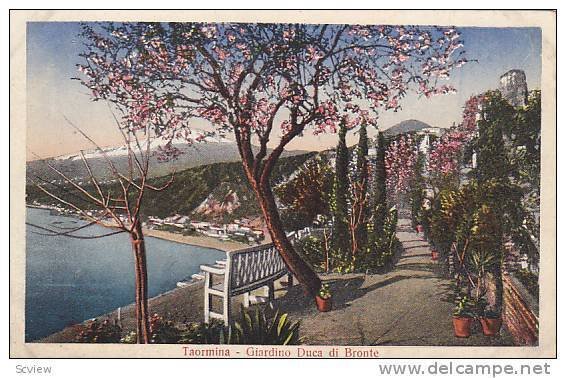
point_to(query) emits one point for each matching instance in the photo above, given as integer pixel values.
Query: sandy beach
(200, 240)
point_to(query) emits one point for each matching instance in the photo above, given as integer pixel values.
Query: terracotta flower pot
(323, 305)
(490, 326)
(420, 229)
(462, 326)
(434, 255)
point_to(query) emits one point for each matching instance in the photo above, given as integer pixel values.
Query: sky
(53, 49)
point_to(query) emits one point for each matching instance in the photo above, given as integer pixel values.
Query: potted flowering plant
(463, 317)
(324, 299)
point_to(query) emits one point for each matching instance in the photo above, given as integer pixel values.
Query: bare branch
(69, 235)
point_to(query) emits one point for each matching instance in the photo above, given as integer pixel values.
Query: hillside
(220, 191)
(405, 127)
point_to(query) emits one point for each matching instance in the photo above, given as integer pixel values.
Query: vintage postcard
(283, 184)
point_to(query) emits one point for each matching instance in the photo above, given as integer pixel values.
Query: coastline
(199, 241)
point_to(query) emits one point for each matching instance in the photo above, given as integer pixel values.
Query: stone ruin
(513, 87)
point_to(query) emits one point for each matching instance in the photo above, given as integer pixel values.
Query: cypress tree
(379, 187)
(341, 235)
(362, 177)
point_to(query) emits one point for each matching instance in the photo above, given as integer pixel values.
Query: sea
(71, 280)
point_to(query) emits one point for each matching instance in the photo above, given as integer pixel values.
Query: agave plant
(256, 329)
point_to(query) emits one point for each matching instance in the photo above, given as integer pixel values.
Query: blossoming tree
(400, 161)
(266, 84)
(447, 153)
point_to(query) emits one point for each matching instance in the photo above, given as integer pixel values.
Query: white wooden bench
(244, 270)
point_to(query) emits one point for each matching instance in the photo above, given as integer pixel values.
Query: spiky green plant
(256, 329)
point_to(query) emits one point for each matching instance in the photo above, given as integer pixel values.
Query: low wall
(520, 312)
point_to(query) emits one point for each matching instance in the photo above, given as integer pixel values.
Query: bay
(71, 280)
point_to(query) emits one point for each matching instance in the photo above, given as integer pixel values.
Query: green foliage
(380, 186)
(163, 331)
(97, 331)
(375, 232)
(525, 133)
(481, 261)
(474, 220)
(257, 329)
(312, 250)
(382, 245)
(129, 338)
(465, 308)
(252, 328)
(492, 159)
(339, 204)
(307, 194)
(324, 292)
(204, 333)
(486, 236)
(508, 148)
(417, 192)
(362, 177)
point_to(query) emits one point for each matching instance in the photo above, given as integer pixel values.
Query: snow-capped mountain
(155, 144)
(210, 150)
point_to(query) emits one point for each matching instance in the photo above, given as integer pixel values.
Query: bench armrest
(214, 269)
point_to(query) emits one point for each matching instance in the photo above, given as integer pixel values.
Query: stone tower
(513, 87)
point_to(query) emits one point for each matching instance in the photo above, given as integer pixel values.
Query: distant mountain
(213, 150)
(405, 127)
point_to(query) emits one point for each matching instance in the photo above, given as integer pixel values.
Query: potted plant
(463, 317)
(324, 299)
(490, 320)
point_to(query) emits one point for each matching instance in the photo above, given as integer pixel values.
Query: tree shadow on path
(344, 292)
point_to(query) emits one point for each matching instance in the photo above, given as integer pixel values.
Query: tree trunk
(300, 269)
(142, 312)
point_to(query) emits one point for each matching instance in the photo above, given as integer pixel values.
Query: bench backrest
(253, 267)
